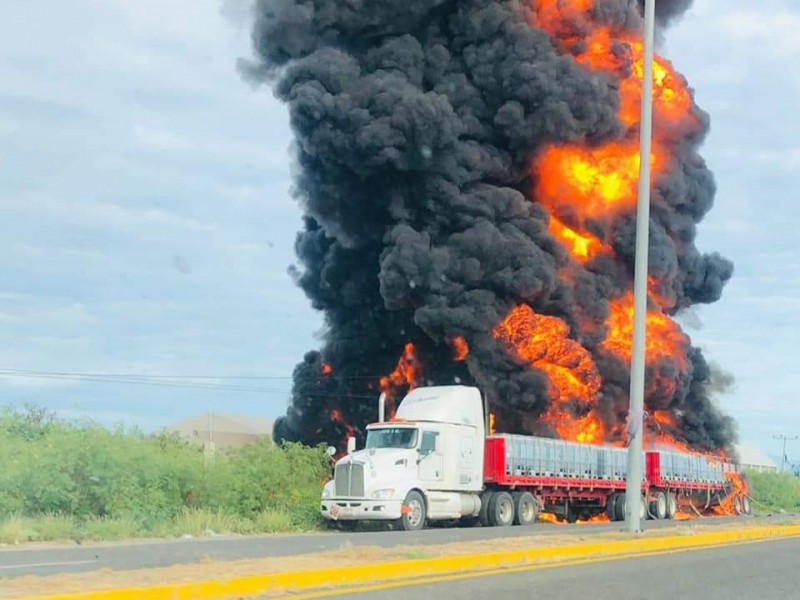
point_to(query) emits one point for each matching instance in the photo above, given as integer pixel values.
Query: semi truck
(434, 460)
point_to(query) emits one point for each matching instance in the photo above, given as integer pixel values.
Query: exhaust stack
(382, 408)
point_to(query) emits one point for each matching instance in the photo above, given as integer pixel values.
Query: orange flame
(594, 182)
(574, 382)
(665, 344)
(738, 489)
(549, 518)
(460, 348)
(403, 379)
(582, 246)
(326, 369)
(598, 518)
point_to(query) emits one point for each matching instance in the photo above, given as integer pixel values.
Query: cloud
(127, 138)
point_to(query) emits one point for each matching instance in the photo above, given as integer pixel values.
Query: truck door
(430, 458)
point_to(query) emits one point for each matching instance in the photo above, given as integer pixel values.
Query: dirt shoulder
(347, 555)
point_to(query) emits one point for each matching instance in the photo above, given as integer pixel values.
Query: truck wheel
(611, 507)
(483, 515)
(643, 508)
(746, 506)
(672, 505)
(619, 507)
(501, 510)
(525, 509)
(737, 505)
(414, 512)
(572, 515)
(658, 507)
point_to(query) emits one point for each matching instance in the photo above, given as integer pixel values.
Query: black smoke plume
(415, 125)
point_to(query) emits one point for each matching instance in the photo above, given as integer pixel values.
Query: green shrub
(775, 491)
(123, 483)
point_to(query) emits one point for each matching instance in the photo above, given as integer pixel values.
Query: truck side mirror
(330, 451)
(351, 445)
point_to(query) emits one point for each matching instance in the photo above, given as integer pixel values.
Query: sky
(147, 226)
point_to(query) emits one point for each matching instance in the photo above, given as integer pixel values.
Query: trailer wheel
(525, 509)
(501, 510)
(619, 507)
(658, 507)
(483, 514)
(737, 505)
(672, 505)
(611, 507)
(415, 512)
(572, 515)
(643, 508)
(746, 506)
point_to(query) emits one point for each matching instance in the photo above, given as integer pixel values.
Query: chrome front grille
(349, 480)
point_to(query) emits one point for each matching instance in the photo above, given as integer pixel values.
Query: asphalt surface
(39, 560)
(762, 571)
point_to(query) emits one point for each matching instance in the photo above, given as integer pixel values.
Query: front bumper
(360, 509)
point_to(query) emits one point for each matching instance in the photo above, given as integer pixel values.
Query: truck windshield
(392, 437)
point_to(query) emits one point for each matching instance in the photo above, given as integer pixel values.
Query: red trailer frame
(596, 491)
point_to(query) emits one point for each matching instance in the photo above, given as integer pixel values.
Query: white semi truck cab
(424, 464)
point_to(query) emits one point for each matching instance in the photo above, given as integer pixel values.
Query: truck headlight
(383, 494)
(326, 492)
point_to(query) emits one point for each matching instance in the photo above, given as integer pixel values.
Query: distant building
(754, 459)
(215, 431)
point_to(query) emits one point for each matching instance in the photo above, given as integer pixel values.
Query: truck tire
(572, 515)
(746, 506)
(415, 512)
(501, 510)
(611, 507)
(643, 508)
(526, 511)
(619, 507)
(483, 515)
(658, 507)
(672, 505)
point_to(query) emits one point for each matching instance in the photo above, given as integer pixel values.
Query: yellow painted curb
(413, 569)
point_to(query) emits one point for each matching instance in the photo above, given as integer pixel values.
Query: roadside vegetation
(76, 480)
(775, 492)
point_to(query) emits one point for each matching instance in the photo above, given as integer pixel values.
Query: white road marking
(48, 564)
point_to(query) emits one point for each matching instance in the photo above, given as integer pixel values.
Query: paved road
(72, 559)
(762, 571)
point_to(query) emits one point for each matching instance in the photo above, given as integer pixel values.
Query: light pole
(785, 439)
(633, 489)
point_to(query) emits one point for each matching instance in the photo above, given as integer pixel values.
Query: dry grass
(46, 528)
(347, 555)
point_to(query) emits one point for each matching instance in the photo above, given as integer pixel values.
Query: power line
(139, 380)
(25, 372)
(142, 376)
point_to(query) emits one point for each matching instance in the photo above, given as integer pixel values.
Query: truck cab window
(392, 437)
(428, 445)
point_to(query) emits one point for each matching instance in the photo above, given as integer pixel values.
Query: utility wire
(140, 380)
(26, 372)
